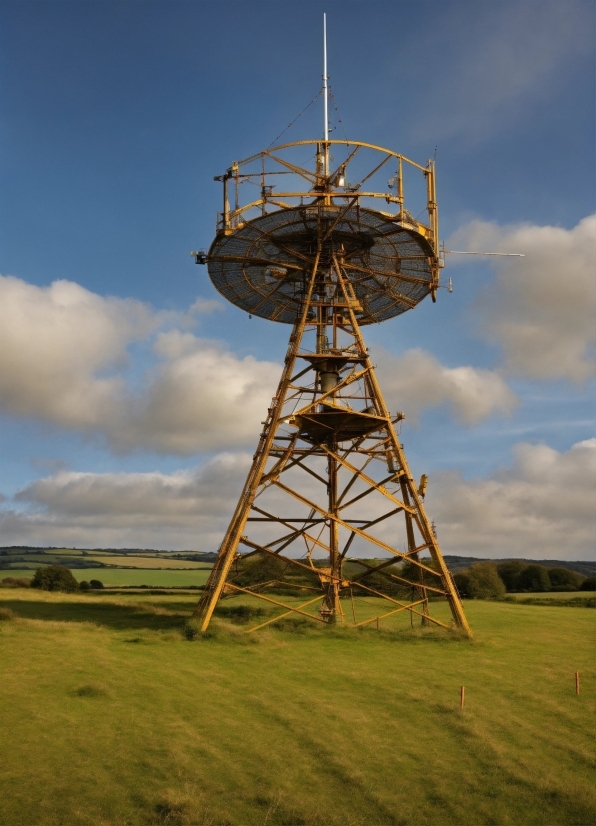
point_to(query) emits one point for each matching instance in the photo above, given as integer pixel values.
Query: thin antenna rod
(325, 96)
(505, 254)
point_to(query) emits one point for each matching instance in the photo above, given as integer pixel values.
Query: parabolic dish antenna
(263, 255)
(264, 265)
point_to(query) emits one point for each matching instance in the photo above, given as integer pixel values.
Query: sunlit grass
(557, 595)
(110, 716)
(148, 562)
(128, 576)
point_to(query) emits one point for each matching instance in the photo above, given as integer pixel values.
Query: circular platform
(264, 265)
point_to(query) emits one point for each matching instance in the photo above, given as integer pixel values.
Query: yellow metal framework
(333, 186)
(330, 509)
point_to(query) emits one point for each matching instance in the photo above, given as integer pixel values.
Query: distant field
(47, 558)
(110, 717)
(26, 560)
(127, 576)
(148, 562)
(555, 595)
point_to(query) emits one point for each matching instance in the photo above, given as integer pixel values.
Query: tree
(563, 578)
(54, 578)
(510, 572)
(462, 583)
(534, 578)
(96, 583)
(84, 585)
(484, 581)
(589, 584)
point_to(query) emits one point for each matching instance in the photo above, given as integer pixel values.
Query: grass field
(147, 562)
(128, 576)
(556, 595)
(110, 716)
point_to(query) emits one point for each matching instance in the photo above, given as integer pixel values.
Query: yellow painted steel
(328, 431)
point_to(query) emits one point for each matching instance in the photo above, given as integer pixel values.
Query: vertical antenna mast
(325, 102)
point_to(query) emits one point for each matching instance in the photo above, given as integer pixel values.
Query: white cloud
(416, 380)
(542, 507)
(505, 58)
(62, 354)
(541, 310)
(182, 510)
(55, 344)
(200, 397)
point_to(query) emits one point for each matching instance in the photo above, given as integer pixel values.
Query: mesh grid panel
(264, 265)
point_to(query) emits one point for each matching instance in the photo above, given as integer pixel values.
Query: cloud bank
(199, 397)
(417, 380)
(64, 356)
(541, 310)
(541, 507)
(55, 344)
(185, 510)
(64, 359)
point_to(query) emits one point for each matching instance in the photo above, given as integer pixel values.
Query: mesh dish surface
(263, 266)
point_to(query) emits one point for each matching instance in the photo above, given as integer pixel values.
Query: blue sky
(129, 399)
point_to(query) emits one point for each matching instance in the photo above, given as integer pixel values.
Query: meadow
(554, 596)
(112, 577)
(112, 568)
(111, 715)
(148, 562)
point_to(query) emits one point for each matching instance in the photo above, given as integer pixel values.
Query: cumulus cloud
(541, 309)
(55, 344)
(505, 58)
(416, 380)
(63, 350)
(187, 509)
(64, 357)
(199, 397)
(542, 507)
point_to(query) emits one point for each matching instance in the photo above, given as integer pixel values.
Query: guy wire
(295, 119)
(335, 106)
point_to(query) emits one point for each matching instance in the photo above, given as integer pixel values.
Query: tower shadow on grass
(111, 615)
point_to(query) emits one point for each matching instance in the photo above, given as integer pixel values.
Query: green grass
(553, 595)
(109, 716)
(147, 562)
(127, 576)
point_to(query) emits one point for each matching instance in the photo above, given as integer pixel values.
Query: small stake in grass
(462, 696)
(577, 682)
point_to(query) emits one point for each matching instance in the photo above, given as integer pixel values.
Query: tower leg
(318, 486)
(227, 552)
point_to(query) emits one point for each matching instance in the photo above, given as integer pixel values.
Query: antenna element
(325, 96)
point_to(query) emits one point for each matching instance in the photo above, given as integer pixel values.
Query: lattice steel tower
(329, 477)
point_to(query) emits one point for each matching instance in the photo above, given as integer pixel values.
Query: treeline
(206, 556)
(490, 580)
(52, 578)
(482, 580)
